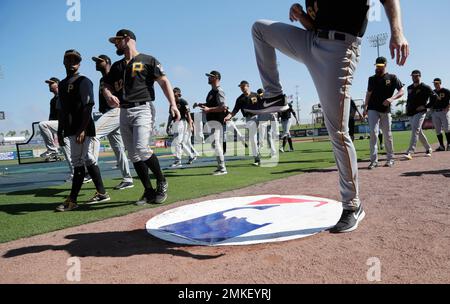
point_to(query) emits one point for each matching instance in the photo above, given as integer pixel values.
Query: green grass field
(31, 212)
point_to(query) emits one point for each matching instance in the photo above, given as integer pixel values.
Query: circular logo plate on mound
(246, 220)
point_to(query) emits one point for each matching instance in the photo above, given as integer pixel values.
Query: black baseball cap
(437, 80)
(214, 74)
(381, 62)
(177, 90)
(416, 72)
(243, 83)
(52, 80)
(102, 58)
(123, 34)
(73, 53)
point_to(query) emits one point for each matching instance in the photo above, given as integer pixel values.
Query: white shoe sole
(124, 188)
(221, 173)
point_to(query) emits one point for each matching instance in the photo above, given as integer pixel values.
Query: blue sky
(189, 38)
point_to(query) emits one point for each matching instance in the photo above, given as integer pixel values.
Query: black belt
(130, 105)
(439, 110)
(334, 35)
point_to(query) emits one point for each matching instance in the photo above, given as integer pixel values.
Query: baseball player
(182, 131)
(215, 111)
(49, 129)
(419, 94)
(135, 76)
(379, 98)
(109, 125)
(440, 106)
(76, 100)
(242, 102)
(330, 48)
(286, 123)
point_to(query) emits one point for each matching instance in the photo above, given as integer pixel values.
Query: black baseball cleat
(161, 192)
(51, 157)
(124, 185)
(192, 160)
(269, 105)
(349, 221)
(373, 165)
(390, 163)
(148, 197)
(440, 149)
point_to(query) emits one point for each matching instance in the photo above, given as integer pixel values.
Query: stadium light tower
(298, 102)
(378, 40)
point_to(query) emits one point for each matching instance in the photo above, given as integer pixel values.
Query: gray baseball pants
(136, 128)
(286, 124)
(82, 153)
(441, 121)
(109, 125)
(416, 122)
(332, 64)
(381, 121)
(48, 131)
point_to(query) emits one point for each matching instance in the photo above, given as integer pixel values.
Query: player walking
(379, 99)
(286, 123)
(246, 99)
(215, 110)
(183, 132)
(440, 106)
(416, 107)
(330, 48)
(76, 100)
(49, 129)
(135, 76)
